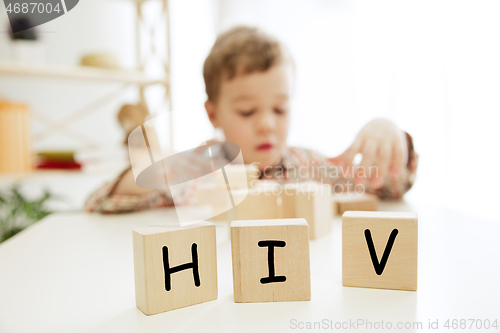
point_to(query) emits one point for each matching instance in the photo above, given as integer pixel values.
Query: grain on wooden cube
(359, 202)
(380, 250)
(270, 260)
(311, 201)
(174, 267)
(260, 203)
(238, 176)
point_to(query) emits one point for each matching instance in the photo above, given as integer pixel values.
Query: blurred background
(431, 66)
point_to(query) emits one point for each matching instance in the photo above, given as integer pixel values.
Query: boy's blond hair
(240, 50)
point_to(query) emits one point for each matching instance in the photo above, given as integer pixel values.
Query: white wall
(193, 37)
(431, 66)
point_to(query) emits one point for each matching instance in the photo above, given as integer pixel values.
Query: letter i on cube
(270, 260)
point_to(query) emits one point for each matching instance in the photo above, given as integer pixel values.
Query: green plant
(17, 212)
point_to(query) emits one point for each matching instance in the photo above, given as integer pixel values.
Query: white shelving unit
(127, 77)
(78, 73)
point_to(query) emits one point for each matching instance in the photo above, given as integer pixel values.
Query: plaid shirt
(319, 168)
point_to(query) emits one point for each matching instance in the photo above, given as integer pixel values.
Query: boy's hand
(382, 145)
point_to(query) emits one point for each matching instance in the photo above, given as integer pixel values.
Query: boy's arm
(122, 196)
(389, 163)
(395, 186)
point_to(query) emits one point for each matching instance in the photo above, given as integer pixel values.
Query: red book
(59, 165)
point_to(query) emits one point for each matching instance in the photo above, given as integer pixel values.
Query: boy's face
(253, 111)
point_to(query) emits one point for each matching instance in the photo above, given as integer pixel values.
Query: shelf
(78, 73)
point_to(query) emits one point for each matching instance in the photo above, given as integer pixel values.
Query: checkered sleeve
(102, 201)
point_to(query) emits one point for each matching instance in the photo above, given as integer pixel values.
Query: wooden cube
(174, 267)
(379, 250)
(360, 202)
(216, 198)
(288, 201)
(238, 176)
(260, 203)
(270, 260)
(311, 201)
(222, 201)
(222, 197)
(228, 215)
(207, 194)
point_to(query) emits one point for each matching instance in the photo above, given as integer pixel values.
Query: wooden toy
(223, 196)
(288, 199)
(270, 260)
(209, 194)
(379, 250)
(218, 199)
(234, 173)
(254, 203)
(174, 267)
(311, 201)
(226, 216)
(131, 116)
(260, 203)
(271, 200)
(358, 202)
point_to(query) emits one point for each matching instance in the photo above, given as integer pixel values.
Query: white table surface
(73, 272)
